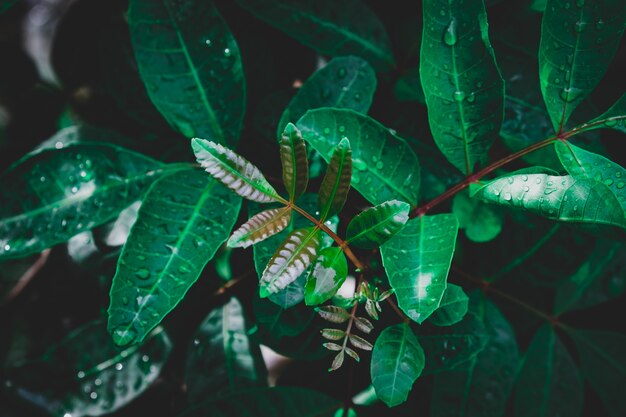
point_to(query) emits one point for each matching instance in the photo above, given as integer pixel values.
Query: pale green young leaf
(328, 273)
(233, 171)
(376, 225)
(294, 161)
(417, 261)
(482, 222)
(336, 183)
(578, 42)
(182, 222)
(462, 84)
(260, 227)
(452, 308)
(397, 361)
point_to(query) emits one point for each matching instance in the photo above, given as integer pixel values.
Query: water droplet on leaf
(449, 36)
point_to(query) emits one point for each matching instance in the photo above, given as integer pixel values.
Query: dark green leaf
(345, 82)
(603, 361)
(482, 222)
(233, 171)
(294, 161)
(578, 42)
(462, 84)
(614, 118)
(184, 219)
(329, 27)
(281, 321)
(267, 402)
(6, 4)
(409, 87)
(376, 225)
(417, 261)
(260, 227)
(86, 375)
(222, 357)
(385, 167)
(483, 386)
(549, 383)
(55, 194)
(190, 64)
(328, 273)
(452, 308)
(336, 183)
(397, 361)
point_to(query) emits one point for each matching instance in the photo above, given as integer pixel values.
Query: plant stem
(398, 311)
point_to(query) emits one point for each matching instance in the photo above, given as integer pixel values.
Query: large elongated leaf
(452, 308)
(336, 183)
(190, 64)
(260, 227)
(282, 322)
(560, 198)
(87, 375)
(385, 166)
(462, 84)
(221, 356)
(294, 161)
(417, 262)
(233, 171)
(183, 220)
(481, 388)
(295, 255)
(57, 193)
(397, 361)
(335, 28)
(328, 273)
(549, 382)
(268, 402)
(578, 42)
(376, 225)
(603, 362)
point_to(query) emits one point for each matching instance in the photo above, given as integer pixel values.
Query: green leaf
(397, 361)
(336, 183)
(328, 273)
(549, 383)
(482, 222)
(267, 402)
(409, 87)
(54, 194)
(191, 66)
(578, 42)
(582, 164)
(603, 362)
(6, 5)
(183, 220)
(280, 321)
(385, 166)
(260, 227)
(292, 257)
(329, 27)
(345, 82)
(233, 171)
(417, 261)
(294, 161)
(614, 118)
(376, 225)
(462, 83)
(86, 375)
(483, 386)
(452, 308)
(560, 198)
(222, 357)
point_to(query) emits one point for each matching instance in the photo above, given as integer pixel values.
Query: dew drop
(526, 188)
(342, 129)
(80, 375)
(620, 185)
(208, 42)
(379, 165)
(449, 36)
(97, 382)
(145, 358)
(227, 52)
(580, 26)
(326, 131)
(7, 247)
(600, 24)
(507, 196)
(93, 395)
(608, 182)
(359, 164)
(510, 180)
(341, 73)
(196, 342)
(142, 273)
(471, 98)
(119, 366)
(459, 96)
(42, 179)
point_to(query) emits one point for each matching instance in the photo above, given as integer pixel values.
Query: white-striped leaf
(294, 161)
(261, 226)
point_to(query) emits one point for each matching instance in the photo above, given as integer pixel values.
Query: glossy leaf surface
(221, 356)
(279, 321)
(191, 66)
(294, 161)
(385, 166)
(452, 308)
(233, 171)
(614, 117)
(328, 273)
(417, 261)
(345, 82)
(336, 183)
(603, 362)
(462, 84)
(331, 28)
(578, 42)
(376, 225)
(57, 193)
(183, 220)
(260, 227)
(548, 365)
(482, 222)
(397, 361)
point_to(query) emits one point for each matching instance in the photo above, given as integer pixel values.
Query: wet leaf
(294, 161)
(328, 273)
(376, 225)
(482, 222)
(260, 227)
(280, 321)
(613, 118)
(452, 308)
(333, 314)
(336, 183)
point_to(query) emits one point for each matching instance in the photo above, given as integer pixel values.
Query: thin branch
(231, 283)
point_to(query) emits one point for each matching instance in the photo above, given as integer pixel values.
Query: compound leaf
(336, 183)
(482, 222)
(452, 308)
(328, 273)
(294, 161)
(260, 227)
(376, 225)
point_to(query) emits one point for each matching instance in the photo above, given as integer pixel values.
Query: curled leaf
(359, 342)
(363, 324)
(294, 161)
(352, 354)
(336, 184)
(261, 226)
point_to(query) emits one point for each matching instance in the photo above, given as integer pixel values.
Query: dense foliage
(298, 208)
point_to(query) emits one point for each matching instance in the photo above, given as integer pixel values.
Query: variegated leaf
(332, 346)
(333, 314)
(363, 324)
(292, 257)
(336, 184)
(261, 226)
(233, 171)
(328, 273)
(352, 354)
(333, 334)
(359, 342)
(294, 161)
(337, 362)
